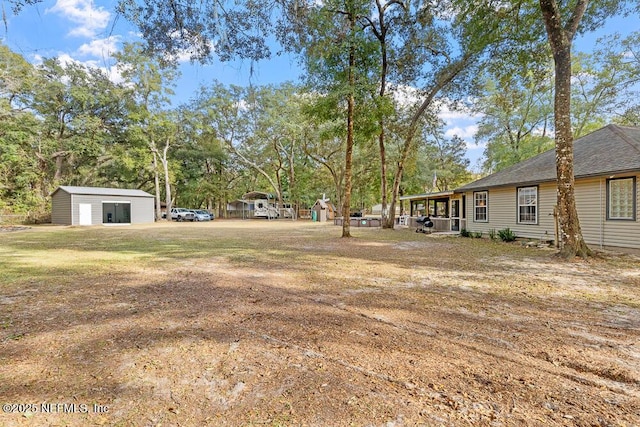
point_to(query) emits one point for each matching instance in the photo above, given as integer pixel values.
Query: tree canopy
(361, 127)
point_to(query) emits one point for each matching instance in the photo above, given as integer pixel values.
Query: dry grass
(285, 323)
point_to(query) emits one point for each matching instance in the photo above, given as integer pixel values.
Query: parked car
(181, 214)
(201, 215)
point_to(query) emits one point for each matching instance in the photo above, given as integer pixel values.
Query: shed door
(84, 210)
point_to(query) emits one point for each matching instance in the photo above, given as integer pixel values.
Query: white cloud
(112, 72)
(89, 19)
(405, 96)
(101, 48)
(66, 59)
(461, 112)
(464, 132)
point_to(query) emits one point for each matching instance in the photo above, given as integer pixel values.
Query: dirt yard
(285, 323)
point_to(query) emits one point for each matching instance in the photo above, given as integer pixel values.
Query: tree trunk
(384, 220)
(167, 182)
(571, 241)
(348, 164)
(156, 181)
(443, 78)
(381, 35)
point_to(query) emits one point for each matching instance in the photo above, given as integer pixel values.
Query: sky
(90, 32)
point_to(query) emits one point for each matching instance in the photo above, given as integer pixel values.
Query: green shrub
(477, 234)
(493, 234)
(507, 235)
(465, 233)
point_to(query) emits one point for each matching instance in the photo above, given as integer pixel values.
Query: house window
(480, 206)
(621, 198)
(528, 205)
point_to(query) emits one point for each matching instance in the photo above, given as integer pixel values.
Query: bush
(507, 235)
(478, 234)
(465, 233)
(493, 234)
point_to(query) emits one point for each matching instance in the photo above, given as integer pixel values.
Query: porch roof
(424, 196)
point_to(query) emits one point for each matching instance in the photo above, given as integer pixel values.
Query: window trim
(486, 207)
(635, 202)
(537, 206)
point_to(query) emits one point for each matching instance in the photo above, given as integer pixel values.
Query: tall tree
(19, 128)
(324, 145)
(381, 24)
(337, 56)
(203, 161)
(151, 82)
(630, 115)
(201, 30)
(516, 103)
(249, 122)
(562, 21)
(604, 83)
(517, 118)
(83, 114)
(456, 34)
(448, 162)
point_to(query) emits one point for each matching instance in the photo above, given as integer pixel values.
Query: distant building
(323, 210)
(95, 205)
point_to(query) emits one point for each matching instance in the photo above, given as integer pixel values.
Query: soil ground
(285, 323)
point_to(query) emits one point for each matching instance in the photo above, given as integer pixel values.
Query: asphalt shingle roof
(103, 191)
(606, 151)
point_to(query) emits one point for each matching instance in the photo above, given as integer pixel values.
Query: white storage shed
(95, 206)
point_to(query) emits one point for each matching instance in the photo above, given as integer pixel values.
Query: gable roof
(606, 151)
(324, 204)
(100, 191)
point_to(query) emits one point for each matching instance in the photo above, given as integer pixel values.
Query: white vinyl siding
(597, 229)
(591, 202)
(528, 205)
(502, 213)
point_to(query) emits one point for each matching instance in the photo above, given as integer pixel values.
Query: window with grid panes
(480, 206)
(528, 205)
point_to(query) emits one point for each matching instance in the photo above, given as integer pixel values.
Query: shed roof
(100, 191)
(324, 204)
(606, 151)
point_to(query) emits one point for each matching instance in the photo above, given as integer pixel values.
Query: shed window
(621, 198)
(116, 212)
(528, 205)
(481, 206)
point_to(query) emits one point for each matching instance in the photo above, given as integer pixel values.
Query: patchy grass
(285, 323)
